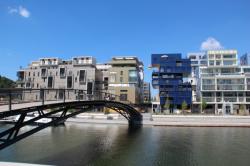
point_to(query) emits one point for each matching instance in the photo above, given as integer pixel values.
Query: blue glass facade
(171, 69)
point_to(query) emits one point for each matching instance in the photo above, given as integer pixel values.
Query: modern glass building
(170, 78)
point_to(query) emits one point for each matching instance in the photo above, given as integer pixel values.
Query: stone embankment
(168, 120)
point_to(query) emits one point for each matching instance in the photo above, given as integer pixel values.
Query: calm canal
(113, 145)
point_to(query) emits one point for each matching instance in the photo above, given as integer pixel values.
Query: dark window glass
(123, 97)
(82, 76)
(62, 72)
(69, 82)
(43, 72)
(50, 82)
(89, 87)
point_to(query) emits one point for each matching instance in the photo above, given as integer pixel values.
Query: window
(69, 82)
(112, 78)
(218, 56)
(43, 72)
(211, 56)
(106, 80)
(82, 76)
(61, 94)
(121, 79)
(121, 73)
(50, 82)
(123, 97)
(178, 63)
(89, 88)
(132, 76)
(228, 56)
(62, 72)
(228, 63)
(247, 70)
(211, 63)
(28, 85)
(217, 63)
(34, 74)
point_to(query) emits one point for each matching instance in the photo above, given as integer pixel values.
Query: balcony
(208, 99)
(230, 99)
(208, 87)
(231, 87)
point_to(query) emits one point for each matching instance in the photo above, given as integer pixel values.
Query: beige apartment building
(126, 79)
(80, 73)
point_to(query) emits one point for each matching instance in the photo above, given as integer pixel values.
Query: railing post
(10, 100)
(78, 95)
(64, 96)
(42, 93)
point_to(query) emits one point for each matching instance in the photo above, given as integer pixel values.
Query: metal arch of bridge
(12, 135)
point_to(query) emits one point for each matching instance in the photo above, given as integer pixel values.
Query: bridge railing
(45, 96)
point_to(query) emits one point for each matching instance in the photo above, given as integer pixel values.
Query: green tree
(6, 83)
(183, 106)
(203, 105)
(242, 109)
(167, 104)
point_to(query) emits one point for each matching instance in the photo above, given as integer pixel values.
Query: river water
(113, 145)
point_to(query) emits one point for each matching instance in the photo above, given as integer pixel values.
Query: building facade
(225, 84)
(53, 73)
(126, 79)
(170, 79)
(146, 92)
(197, 60)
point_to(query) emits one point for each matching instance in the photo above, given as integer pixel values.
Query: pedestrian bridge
(14, 103)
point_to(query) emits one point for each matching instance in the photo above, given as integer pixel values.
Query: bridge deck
(31, 104)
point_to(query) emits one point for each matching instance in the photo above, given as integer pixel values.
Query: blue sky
(31, 29)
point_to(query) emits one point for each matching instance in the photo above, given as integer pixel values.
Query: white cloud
(211, 44)
(20, 10)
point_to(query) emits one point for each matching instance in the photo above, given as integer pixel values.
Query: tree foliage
(184, 105)
(6, 82)
(167, 104)
(203, 104)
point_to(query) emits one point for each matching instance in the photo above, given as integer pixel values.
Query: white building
(197, 60)
(224, 84)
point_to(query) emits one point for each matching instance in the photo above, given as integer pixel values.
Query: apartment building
(126, 79)
(169, 78)
(225, 84)
(54, 73)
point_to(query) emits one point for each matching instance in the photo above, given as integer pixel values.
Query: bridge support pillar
(135, 122)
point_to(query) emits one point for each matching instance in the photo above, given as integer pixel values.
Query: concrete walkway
(170, 120)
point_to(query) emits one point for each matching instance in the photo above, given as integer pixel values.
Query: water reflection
(87, 144)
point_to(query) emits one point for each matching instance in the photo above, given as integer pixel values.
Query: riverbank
(167, 120)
